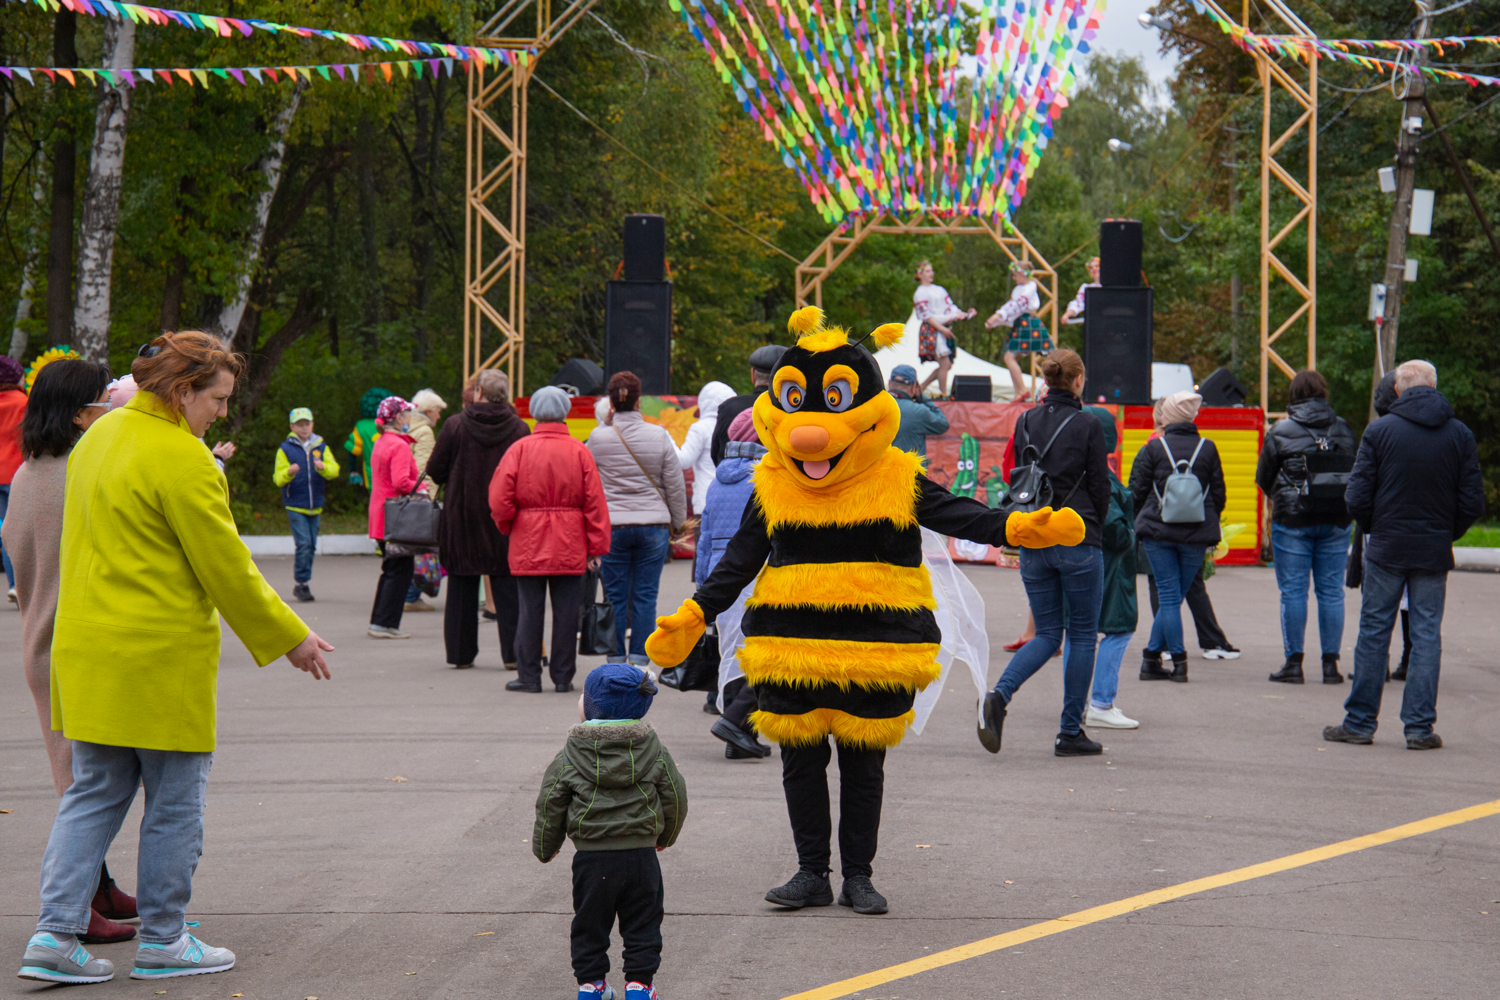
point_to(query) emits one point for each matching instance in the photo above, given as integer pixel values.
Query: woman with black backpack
(1060, 462)
(1178, 487)
(1304, 467)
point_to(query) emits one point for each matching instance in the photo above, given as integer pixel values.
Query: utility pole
(1406, 172)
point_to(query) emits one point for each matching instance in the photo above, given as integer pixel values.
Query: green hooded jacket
(612, 787)
(1118, 611)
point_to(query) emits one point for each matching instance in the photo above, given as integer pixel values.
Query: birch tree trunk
(270, 167)
(20, 337)
(101, 199)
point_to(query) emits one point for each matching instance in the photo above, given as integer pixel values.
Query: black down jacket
(1416, 487)
(1282, 467)
(1148, 475)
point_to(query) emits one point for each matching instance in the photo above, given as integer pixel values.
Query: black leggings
(804, 778)
(396, 573)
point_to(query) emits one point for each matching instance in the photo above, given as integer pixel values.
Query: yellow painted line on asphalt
(1083, 918)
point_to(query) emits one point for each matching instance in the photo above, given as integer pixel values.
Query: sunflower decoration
(46, 358)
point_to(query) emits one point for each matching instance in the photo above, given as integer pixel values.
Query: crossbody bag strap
(659, 491)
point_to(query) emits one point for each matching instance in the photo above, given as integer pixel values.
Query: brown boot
(102, 930)
(110, 901)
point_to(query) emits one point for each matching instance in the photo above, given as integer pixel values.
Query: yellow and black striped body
(839, 633)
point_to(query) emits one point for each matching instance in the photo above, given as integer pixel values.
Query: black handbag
(596, 620)
(700, 671)
(411, 522)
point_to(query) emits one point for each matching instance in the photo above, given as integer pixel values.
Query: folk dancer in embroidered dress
(1028, 334)
(935, 309)
(1074, 313)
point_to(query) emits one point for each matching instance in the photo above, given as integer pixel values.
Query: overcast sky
(1120, 33)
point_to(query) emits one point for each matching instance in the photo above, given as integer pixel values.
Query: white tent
(905, 353)
(1165, 378)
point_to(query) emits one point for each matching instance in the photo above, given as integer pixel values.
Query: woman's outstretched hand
(308, 655)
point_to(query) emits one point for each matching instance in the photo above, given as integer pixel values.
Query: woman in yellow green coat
(150, 559)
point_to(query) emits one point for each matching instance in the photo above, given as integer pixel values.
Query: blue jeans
(1107, 668)
(1382, 589)
(1175, 568)
(305, 537)
(104, 782)
(1078, 572)
(631, 572)
(10, 572)
(1322, 551)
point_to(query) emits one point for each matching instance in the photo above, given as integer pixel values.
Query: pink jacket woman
(393, 473)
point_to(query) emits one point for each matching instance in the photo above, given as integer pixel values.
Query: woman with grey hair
(463, 462)
(547, 498)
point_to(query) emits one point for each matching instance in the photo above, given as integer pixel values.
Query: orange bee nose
(809, 438)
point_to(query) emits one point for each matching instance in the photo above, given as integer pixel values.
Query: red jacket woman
(393, 473)
(547, 497)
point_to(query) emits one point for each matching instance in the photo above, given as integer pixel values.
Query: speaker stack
(638, 309)
(1117, 320)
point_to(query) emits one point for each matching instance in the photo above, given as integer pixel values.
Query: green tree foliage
(360, 279)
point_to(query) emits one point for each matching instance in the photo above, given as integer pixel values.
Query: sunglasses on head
(148, 351)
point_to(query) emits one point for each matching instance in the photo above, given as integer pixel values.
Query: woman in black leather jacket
(1302, 467)
(1075, 462)
(1176, 549)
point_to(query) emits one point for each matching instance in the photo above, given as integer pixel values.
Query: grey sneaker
(385, 632)
(59, 958)
(186, 957)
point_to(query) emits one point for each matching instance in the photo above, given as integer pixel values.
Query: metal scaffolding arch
(495, 183)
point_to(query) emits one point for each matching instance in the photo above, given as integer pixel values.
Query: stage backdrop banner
(968, 459)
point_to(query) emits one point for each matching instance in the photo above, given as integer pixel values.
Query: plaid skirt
(1029, 336)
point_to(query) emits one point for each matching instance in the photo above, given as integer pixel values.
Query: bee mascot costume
(839, 633)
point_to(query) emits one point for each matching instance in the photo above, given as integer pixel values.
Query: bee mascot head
(827, 416)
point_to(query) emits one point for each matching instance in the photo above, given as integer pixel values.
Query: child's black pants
(607, 884)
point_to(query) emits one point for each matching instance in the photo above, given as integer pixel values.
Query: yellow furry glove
(1044, 528)
(676, 634)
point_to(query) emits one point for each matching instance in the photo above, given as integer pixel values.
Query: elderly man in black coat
(1415, 489)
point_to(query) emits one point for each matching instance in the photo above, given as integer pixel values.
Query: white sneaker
(384, 632)
(1110, 718)
(187, 956)
(11, 596)
(1221, 653)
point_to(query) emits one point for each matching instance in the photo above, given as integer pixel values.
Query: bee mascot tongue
(839, 633)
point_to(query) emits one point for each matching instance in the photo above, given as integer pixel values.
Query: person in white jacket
(694, 453)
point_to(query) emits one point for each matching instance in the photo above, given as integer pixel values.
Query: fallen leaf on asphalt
(309, 998)
(6, 812)
(1321, 749)
(1009, 882)
(411, 973)
(396, 778)
(484, 933)
(232, 995)
(1070, 789)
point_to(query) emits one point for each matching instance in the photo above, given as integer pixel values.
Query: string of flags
(243, 75)
(861, 99)
(1349, 50)
(227, 27)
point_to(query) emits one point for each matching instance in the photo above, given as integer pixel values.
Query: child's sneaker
(599, 990)
(59, 958)
(187, 956)
(637, 991)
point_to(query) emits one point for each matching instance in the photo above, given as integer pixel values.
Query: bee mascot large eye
(828, 417)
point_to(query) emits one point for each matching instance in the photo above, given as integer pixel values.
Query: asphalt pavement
(368, 836)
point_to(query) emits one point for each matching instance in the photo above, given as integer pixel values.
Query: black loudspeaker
(638, 332)
(972, 388)
(580, 377)
(1117, 345)
(645, 248)
(1223, 389)
(1120, 247)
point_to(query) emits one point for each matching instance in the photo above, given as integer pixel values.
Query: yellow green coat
(150, 558)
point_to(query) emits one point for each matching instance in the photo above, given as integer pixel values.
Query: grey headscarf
(550, 405)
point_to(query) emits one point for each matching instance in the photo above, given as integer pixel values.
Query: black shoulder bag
(1030, 486)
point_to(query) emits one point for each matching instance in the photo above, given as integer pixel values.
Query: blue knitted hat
(617, 691)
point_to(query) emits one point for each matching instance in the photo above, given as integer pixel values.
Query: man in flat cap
(763, 360)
